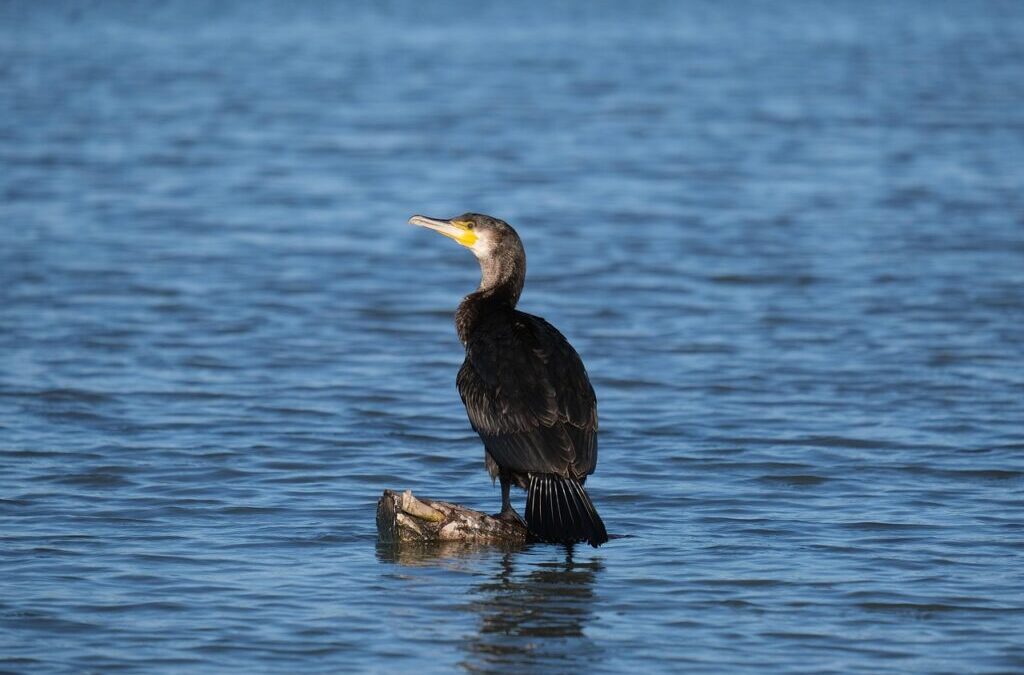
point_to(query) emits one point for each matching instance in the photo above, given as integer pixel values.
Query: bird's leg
(507, 512)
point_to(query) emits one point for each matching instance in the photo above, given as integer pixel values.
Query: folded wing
(527, 394)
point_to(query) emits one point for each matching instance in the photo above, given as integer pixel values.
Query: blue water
(786, 238)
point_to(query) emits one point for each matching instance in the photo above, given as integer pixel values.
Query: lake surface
(787, 240)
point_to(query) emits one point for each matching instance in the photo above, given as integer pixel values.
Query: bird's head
(485, 236)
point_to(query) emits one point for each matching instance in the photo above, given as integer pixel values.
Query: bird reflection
(533, 610)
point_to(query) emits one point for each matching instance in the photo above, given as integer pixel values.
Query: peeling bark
(401, 517)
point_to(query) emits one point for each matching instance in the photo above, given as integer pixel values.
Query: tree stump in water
(404, 518)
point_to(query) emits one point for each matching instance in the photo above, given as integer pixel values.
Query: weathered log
(402, 518)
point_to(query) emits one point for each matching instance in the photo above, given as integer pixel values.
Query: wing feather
(527, 394)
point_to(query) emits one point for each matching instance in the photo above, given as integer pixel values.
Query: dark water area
(786, 238)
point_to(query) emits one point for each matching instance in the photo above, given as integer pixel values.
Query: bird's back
(527, 394)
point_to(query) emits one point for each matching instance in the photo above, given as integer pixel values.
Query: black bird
(525, 389)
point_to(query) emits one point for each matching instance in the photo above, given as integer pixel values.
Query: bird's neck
(501, 283)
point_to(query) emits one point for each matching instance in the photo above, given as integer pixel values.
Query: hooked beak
(453, 229)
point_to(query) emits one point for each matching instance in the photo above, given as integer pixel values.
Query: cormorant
(525, 390)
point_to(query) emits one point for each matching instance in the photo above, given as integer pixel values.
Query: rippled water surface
(787, 240)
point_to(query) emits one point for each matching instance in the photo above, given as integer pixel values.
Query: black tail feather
(559, 510)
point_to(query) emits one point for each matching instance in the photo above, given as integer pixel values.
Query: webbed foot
(509, 515)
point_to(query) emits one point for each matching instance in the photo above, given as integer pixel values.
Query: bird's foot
(509, 515)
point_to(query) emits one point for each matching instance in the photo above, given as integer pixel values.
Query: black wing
(528, 396)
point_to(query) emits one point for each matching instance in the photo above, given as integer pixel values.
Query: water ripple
(786, 241)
